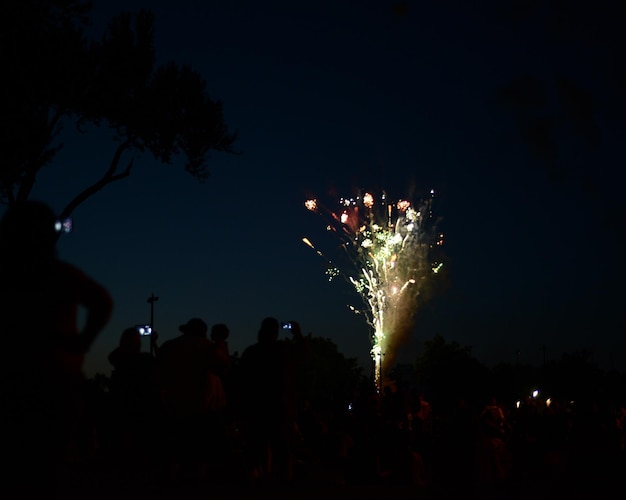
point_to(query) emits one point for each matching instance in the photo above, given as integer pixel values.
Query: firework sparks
(389, 246)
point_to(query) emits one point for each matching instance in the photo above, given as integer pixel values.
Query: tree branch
(109, 176)
(43, 155)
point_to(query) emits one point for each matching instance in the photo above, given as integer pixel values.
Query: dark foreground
(591, 478)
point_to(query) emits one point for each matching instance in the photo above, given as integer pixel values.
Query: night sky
(329, 97)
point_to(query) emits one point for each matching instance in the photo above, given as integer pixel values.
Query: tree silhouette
(328, 378)
(569, 103)
(55, 75)
(559, 99)
(446, 371)
(575, 377)
(569, 100)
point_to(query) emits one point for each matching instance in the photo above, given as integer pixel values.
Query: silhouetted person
(185, 371)
(268, 382)
(391, 407)
(135, 403)
(460, 434)
(220, 411)
(363, 462)
(43, 345)
(219, 366)
(492, 454)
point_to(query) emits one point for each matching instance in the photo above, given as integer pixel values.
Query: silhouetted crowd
(185, 407)
(250, 428)
(189, 414)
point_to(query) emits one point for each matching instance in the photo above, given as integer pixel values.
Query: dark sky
(332, 96)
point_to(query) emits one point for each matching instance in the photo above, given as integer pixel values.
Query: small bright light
(311, 204)
(144, 330)
(63, 226)
(332, 272)
(535, 393)
(403, 205)
(344, 218)
(518, 404)
(368, 200)
(548, 402)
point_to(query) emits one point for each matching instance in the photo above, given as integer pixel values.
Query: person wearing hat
(184, 366)
(195, 327)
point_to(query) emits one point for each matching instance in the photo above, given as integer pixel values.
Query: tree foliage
(576, 82)
(447, 372)
(329, 379)
(574, 377)
(569, 102)
(55, 75)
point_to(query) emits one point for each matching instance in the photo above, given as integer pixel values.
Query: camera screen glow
(63, 226)
(144, 329)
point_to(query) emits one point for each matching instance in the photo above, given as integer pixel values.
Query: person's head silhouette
(28, 228)
(195, 327)
(269, 330)
(219, 332)
(28, 237)
(130, 341)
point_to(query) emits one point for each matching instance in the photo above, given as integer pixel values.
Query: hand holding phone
(144, 330)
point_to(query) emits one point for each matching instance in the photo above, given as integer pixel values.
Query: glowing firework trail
(390, 247)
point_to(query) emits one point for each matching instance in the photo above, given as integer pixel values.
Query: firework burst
(391, 249)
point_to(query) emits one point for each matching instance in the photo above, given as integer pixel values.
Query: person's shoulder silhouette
(269, 399)
(132, 368)
(40, 295)
(184, 363)
(44, 343)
